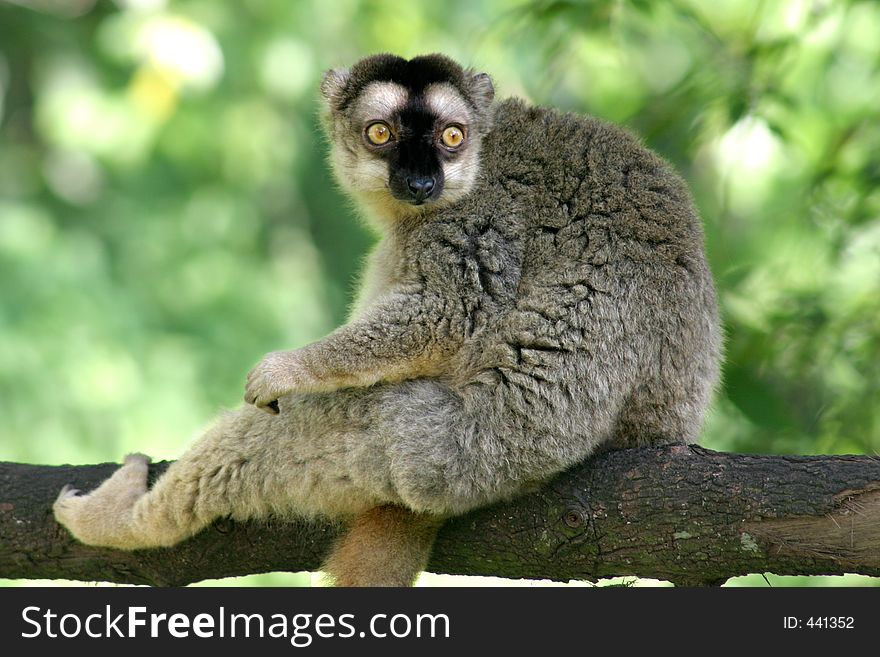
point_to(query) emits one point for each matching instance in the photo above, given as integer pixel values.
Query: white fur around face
(461, 174)
(357, 169)
(364, 174)
(446, 102)
(379, 101)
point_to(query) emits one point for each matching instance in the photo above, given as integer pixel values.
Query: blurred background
(167, 215)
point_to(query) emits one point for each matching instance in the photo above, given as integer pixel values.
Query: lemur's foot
(103, 516)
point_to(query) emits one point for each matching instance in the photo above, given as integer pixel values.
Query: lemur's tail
(385, 546)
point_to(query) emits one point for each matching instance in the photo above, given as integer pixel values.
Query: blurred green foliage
(167, 216)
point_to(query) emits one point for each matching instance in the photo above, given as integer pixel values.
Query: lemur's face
(405, 135)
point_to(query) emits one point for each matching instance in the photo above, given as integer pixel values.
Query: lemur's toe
(136, 458)
(66, 493)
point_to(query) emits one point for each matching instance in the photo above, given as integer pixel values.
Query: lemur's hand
(278, 374)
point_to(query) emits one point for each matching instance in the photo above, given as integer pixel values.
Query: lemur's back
(578, 263)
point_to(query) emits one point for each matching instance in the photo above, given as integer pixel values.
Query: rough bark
(679, 513)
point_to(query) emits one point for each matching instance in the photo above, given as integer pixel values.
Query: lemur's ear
(481, 89)
(333, 86)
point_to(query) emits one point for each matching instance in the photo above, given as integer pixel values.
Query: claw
(67, 491)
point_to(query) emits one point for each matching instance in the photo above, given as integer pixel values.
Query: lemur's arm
(401, 336)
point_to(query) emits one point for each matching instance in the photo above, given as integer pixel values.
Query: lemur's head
(405, 134)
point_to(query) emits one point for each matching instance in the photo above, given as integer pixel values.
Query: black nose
(420, 188)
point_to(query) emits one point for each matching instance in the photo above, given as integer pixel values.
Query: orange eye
(452, 137)
(378, 134)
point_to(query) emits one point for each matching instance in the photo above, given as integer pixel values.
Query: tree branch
(684, 514)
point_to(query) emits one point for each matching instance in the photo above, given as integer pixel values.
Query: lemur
(540, 289)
